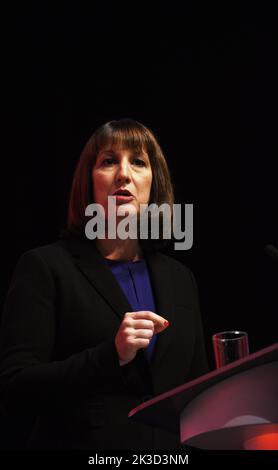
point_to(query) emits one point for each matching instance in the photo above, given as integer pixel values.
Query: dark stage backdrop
(204, 79)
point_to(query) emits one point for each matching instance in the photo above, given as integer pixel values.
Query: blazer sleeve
(199, 365)
(30, 380)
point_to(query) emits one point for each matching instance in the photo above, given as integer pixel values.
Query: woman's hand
(136, 332)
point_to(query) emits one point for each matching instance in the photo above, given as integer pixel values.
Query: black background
(203, 77)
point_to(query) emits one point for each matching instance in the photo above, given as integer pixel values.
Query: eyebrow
(134, 152)
(103, 152)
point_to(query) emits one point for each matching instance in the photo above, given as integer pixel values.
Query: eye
(139, 162)
(108, 161)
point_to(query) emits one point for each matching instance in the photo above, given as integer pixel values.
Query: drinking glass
(229, 346)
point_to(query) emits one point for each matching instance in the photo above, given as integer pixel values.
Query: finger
(129, 323)
(158, 327)
(160, 323)
(143, 334)
(148, 315)
(143, 324)
(141, 343)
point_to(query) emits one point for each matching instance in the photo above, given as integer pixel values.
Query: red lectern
(234, 407)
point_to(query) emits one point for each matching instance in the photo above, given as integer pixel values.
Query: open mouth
(122, 192)
(123, 196)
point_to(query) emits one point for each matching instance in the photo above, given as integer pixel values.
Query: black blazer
(58, 358)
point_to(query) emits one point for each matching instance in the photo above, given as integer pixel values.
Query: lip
(123, 199)
(122, 189)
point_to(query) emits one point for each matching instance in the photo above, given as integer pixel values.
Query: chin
(125, 210)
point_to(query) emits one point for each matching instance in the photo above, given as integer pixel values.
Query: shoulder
(173, 264)
(180, 277)
(46, 257)
(62, 256)
(45, 252)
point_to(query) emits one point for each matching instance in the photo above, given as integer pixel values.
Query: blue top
(133, 278)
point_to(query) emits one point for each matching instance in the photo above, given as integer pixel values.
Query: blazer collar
(90, 262)
(163, 291)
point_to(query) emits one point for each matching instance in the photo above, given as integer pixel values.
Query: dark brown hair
(126, 134)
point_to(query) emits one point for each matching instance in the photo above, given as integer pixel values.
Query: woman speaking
(93, 327)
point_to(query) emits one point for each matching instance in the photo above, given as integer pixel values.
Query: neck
(119, 250)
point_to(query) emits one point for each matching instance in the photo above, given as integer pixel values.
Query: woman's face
(123, 169)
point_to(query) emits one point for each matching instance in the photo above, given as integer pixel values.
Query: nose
(123, 173)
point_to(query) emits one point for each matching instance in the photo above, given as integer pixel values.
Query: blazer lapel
(163, 290)
(91, 263)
